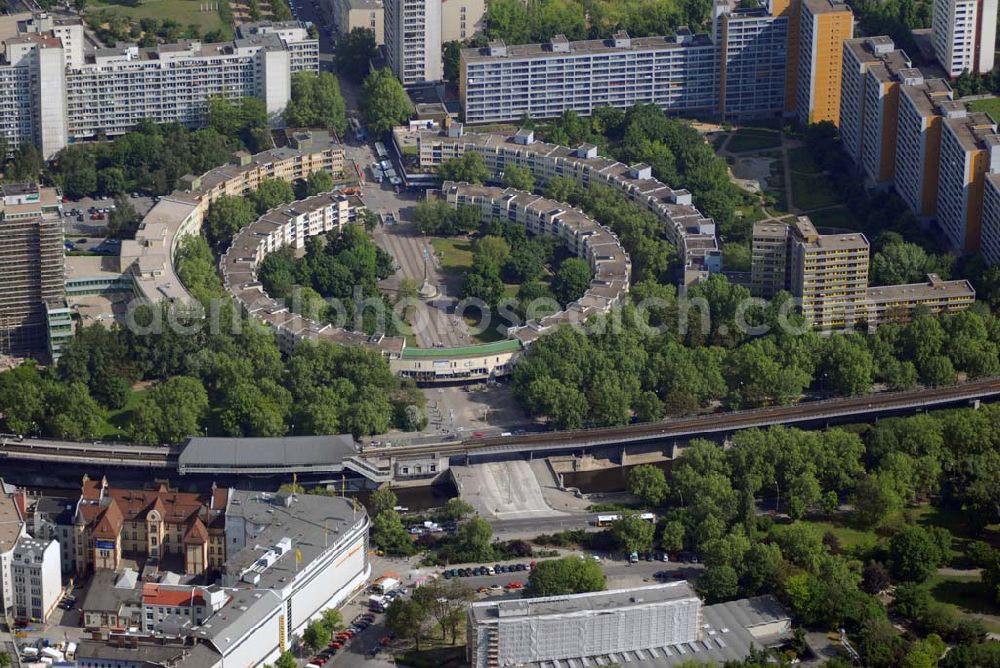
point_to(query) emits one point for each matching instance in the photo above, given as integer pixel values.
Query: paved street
(435, 323)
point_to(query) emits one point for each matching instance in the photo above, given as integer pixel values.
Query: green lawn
(455, 254)
(812, 191)
(837, 217)
(859, 540)
(991, 106)
(965, 594)
(117, 421)
(801, 160)
(185, 12)
(753, 139)
(441, 656)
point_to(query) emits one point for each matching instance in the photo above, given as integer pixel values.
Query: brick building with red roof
(152, 524)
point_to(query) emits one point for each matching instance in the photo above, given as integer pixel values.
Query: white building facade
(555, 628)
(37, 578)
(504, 83)
(413, 40)
(55, 96)
(963, 34)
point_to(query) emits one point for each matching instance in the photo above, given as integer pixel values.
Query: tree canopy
(384, 103)
(316, 102)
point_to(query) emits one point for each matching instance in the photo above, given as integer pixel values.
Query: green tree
(171, 411)
(316, 636)
(519, 178)
(508, 20)
(123, 221)
(901, 262)
(78, 417)
(318, 182)
(848, 367)
(633, 534)
(451, 56)
(914, 554)
(27, 163)
(316, 102)
(389, 534)
(354, 51)
(474, 539)
(718, 583)
(286, 660)
(227, 216)
(408, 618)
(469, 168)
(649, 483)
(384, 103)
(456, 509)
(672, 538)
(272, 193)
(78, 168)
(879, 643)
(381, 500)
(571, 280)
(569, 575)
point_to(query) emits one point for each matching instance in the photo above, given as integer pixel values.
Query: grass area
(991, 106)
(857, 540)
(776, 185)
(435, 653)
(491, 333)
(965, 594)
(812, 191)
(754, 139)
(185, 12)
(117, 421)
(836, 217)
(455, 254)
(801, 160)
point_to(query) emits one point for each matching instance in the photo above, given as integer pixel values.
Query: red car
(515, 585)
(336, 644)
(384, 640)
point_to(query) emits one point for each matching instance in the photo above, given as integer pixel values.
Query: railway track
(143, 456)
(714, 423)
(13, 447)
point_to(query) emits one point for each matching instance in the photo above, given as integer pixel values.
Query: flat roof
(598, 601)
(974, 131)
(587, 47)
(932, 288)
(10, 523)
(927, 95)
(278, 451)
(315, 524)
(463, 351)
(825, 6)
(91, 266)
(728, 635)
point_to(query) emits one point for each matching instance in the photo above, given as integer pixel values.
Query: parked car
(515, 585)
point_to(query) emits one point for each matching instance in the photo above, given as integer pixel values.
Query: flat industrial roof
(598, 601)
(587, 47)
(10, 523)
(464, 351)
(278, 451)
(315, 524)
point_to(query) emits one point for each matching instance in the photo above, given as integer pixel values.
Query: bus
(380, 150)
(608, 520)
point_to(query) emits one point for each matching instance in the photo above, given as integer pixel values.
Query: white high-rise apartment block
(37, 578)
(413, 40)
(678, 73)
(53, 94)
(963, 33)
